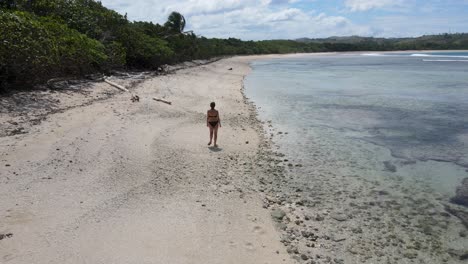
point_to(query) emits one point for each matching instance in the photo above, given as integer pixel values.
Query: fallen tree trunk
(163, 101)
(116, 85)
(53, 81)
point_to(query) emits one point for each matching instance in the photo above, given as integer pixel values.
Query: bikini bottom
(213, 124)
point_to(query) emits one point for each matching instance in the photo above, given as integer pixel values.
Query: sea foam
(437, 55)
(446, 60)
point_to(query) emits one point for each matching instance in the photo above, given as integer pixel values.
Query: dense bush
(144, 51)
(87, 16)
(34, 49)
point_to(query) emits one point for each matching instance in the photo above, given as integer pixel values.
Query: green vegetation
(34, 49)
(355, 43)
(43, 39)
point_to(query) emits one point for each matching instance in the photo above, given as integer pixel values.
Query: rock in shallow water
(410, 254)
(461, 196)
(462, 215)
(389, 166)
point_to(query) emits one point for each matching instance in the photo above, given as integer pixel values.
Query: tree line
(44, 39)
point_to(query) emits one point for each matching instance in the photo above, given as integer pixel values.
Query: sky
(292, 19)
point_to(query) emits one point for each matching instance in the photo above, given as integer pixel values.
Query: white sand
(122, 182)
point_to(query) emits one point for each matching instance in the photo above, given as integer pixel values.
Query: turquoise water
(377, 115)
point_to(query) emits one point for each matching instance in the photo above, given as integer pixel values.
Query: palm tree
(175, 22)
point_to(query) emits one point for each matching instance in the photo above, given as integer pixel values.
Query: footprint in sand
(249, 246)
(8, 257)
(258, 230)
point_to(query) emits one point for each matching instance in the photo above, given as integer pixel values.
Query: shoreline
(32, 106)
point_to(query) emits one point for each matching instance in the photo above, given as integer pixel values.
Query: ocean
(355, 124)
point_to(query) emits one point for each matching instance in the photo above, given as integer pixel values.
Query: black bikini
(213, 123)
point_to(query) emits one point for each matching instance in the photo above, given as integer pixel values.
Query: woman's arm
(219, 120)
(207, 118)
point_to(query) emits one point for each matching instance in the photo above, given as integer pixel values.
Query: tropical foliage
(175, 23)
(34, 49)
(43, 39)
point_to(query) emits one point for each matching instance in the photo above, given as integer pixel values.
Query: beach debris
(337, 238)
(319, 218)
(338, 261)
(461, 194)
(292, 249)
(278, 214)
(230, 69)
(3, 236)
(135, 98)
(339, 217)
(58, 83)
(116, 85)
(161, 100)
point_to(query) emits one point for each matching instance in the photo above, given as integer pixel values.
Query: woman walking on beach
(213, 122)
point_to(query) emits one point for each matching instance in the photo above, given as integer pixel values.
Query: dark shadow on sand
(215, 149)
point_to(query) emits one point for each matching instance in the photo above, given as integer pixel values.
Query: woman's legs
(211, 135)
(215, 130)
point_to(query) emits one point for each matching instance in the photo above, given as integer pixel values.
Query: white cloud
(196, 7)
(365, 5)
(263, 23)
(288, 19)
(245, 19)
(284, 15)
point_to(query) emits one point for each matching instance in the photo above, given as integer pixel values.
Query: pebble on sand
(339, 217)
(278, 214)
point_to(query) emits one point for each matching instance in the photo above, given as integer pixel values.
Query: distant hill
(345, 39)
(441, 41)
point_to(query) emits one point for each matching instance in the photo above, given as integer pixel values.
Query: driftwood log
(163, 101)
(116, 85)
(51, 83)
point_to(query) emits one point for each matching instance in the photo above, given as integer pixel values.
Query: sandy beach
(91, 177)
